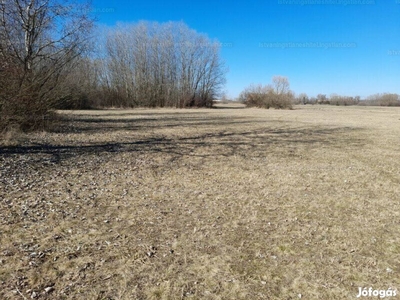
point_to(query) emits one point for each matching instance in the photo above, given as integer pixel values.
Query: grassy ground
(228, 203)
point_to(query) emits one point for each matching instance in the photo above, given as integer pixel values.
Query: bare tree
(281, 85)
(40, 38)
(302, 98)
(321, 99)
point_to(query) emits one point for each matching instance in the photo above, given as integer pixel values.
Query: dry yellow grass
(227, 203)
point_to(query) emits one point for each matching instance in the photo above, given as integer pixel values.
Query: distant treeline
(385, 99)
(278, 95)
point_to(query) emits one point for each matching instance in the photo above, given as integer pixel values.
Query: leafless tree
(152, 64)
(281, 84)
(302, 98)
(40, 38)
(322, 99)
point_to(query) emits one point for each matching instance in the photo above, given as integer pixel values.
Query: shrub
(279, 97)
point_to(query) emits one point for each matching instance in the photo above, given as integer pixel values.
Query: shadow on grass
(85, 124)
(216, 144)
(227, 106)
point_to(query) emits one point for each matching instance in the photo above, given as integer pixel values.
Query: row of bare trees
(157, 65)
(385, 99)
(148, 65)
(278, 95)
(45, 63)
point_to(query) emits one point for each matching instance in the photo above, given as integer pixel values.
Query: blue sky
(348, 47)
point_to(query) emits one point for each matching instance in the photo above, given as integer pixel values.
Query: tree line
(51, 59)
(384, 99)
(278, 95)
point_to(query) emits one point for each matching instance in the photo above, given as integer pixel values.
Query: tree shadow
(85, 124)
(229, 106)
(215, 144)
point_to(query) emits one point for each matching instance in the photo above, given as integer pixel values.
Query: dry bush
(10, 136)
(26, 112)
(22, 112)
(266, 97)
(38, 41)
(283, 101)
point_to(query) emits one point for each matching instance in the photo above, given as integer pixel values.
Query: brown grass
(226, 203)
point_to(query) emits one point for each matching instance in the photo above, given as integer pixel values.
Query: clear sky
(348, 47)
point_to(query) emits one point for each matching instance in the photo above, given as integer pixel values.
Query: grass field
(226, 203)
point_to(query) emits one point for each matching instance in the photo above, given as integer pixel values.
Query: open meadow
(224, 203)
